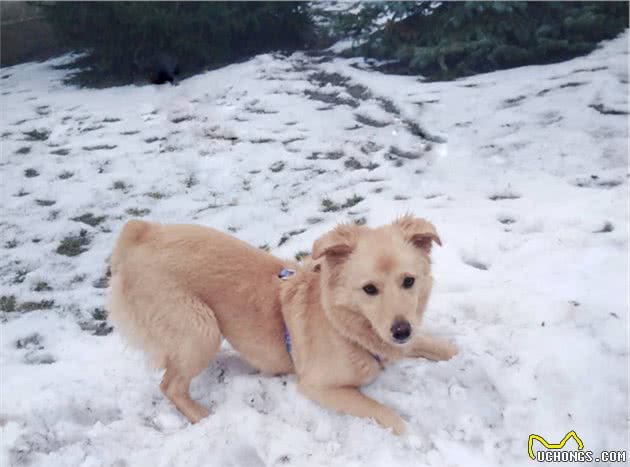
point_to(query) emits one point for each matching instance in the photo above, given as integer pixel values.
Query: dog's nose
(401, 330)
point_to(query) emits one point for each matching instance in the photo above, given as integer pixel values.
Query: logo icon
(560, 445)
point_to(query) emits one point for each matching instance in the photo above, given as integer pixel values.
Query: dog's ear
(337, 243)
(418, 232)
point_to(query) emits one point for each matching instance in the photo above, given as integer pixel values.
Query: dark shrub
(133, 41)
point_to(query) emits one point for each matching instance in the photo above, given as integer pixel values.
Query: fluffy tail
(132, 233)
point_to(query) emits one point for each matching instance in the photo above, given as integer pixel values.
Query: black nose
(401, 330)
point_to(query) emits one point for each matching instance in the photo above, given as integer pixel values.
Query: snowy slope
(524, 173)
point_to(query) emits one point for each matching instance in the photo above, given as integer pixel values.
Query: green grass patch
(74, 245)
(89, 219)
(8, 303)
(329, 205)
(300, 255)
(137, 212)
(42, 286)
(36, 135)
(353, 201)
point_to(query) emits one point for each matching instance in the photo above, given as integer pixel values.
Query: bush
(453, 39)
(128, 41)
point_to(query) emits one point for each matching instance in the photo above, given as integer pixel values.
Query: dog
(335, 320)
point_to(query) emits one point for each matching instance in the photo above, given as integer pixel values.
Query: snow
(524, 173)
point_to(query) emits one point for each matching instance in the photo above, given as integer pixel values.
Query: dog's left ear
(337, 243)
(417, 231)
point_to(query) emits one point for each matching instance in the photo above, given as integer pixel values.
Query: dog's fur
(176, 289)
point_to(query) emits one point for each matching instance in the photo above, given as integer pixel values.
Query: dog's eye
(370, 289)
(408, 282)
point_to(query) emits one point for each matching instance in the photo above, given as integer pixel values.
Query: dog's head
(383, 273)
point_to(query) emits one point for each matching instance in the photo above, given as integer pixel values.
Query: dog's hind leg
(193, 346)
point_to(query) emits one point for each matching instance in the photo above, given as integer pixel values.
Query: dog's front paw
(394, 421)
(433, 348)
(446, 350)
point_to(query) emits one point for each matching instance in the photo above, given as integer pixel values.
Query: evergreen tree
(125, 41)
(452, 39)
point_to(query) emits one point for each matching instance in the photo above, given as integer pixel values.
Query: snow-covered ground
(524, 173)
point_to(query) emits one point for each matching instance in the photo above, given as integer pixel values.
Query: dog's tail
(132, 233)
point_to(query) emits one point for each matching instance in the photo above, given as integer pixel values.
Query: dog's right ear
(336, 243)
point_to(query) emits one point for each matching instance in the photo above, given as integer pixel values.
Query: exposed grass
(42, 286)
(19, 277)
(97, 147)
(8, 303)
(354, 164)
(89, 219)
(137, 212)
(155, 195)
(60, 152)
(502, 196)
(65, 175)
(101, 283)
(36, 135)
(285, 237)
(301, 255)
(32, 306)
(11, 244)
(353, 201)
(183, 118)
(74, 245)
(329, 205)
(277, 166)
(119, 185)
(369, 121)
(99, 314)
(33, 340)
(87, 129)
(191, 181)
(45, 202)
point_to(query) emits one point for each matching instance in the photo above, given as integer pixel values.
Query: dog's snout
(401, 330)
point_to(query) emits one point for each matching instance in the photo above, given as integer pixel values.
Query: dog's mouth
(402, 341)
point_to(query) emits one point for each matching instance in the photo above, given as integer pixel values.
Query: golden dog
(334, 320)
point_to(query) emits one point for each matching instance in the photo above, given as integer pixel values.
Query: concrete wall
(24, 34)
